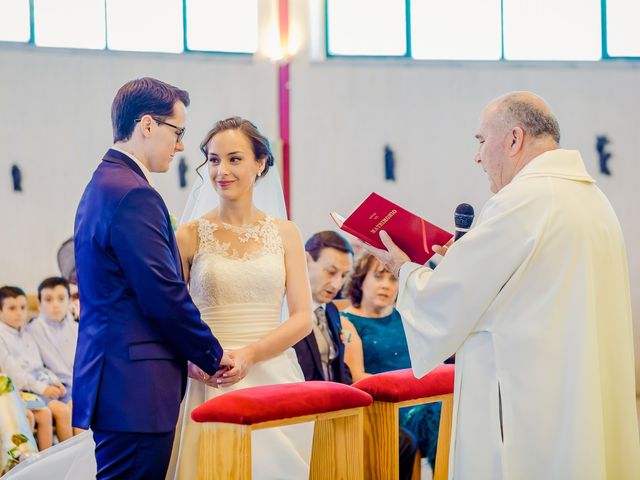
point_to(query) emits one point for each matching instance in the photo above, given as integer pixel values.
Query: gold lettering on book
(382, 222)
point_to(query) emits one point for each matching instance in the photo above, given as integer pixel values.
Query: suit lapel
(174, 248)
(333, 320)
(115, 156)
(118, 157)
(312, 345)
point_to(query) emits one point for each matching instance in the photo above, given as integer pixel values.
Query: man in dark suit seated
(321, 353)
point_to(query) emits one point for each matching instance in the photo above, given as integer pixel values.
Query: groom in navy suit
(138, 325)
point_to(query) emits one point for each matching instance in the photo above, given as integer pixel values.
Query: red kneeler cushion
(401, 385)
(275, 402)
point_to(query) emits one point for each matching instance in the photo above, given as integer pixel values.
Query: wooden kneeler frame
(392, 391)
(381, 426)
(225, 448)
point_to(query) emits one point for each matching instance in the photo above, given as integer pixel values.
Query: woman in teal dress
(377, 342)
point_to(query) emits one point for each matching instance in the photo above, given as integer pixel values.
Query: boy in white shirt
(20, 360)
(54, 329)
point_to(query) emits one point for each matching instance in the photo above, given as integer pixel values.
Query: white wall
(55, 104)
(55, 124)
(344, 112)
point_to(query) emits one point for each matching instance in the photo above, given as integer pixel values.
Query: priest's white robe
(535, 302)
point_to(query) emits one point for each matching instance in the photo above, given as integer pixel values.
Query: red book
(414, 235)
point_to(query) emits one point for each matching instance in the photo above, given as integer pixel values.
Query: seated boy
(54, 329)
(20, 360)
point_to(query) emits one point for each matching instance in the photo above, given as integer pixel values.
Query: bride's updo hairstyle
(259, 143)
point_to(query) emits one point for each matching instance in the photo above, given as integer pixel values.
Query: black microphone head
(463, 216)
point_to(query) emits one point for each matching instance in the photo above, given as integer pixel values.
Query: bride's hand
(243, 361)
(226, 364)
(196, 373)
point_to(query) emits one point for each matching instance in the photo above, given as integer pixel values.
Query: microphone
(463, 218)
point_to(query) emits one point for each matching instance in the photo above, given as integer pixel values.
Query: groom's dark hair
(143, 96)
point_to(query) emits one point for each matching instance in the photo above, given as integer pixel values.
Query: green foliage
(6, 385)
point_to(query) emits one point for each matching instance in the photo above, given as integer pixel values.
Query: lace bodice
(237, 265)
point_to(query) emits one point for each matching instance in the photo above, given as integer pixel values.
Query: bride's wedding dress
(238, 283)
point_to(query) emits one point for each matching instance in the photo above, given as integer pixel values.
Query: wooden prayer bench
(229, 419)
(391, 391)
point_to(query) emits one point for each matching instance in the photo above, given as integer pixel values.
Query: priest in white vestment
(535, 303)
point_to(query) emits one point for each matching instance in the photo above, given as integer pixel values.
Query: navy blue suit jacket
(309, 354)
(138, 325)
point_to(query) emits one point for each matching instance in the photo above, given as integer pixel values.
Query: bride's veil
(268, 196)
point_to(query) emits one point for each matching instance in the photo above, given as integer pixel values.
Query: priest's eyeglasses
(178, 131)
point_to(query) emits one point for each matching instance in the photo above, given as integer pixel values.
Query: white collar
(54, 324)
(315, 305)
(11, 330)
(145, 170)
(558, 163)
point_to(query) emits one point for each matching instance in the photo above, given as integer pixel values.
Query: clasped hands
(55, 391)
(234, 366)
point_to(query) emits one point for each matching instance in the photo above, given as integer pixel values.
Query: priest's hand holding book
(376, 220)
(393, 257)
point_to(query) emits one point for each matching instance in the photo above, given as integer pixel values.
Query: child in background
(54, 329)
(75, 301)
(20, 359)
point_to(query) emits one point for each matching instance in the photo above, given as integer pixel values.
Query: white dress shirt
(145, 170)
(20, 359)
(57, 343)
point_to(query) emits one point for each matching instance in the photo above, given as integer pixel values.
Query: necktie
(325, 343)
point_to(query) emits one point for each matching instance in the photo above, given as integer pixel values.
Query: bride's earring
(260, 173)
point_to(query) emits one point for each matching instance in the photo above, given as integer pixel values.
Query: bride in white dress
(240, 262)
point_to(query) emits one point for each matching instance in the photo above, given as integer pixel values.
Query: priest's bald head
(514, 129)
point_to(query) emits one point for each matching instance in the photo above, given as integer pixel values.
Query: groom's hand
(226, 364)
(243, 360)
(196, 373)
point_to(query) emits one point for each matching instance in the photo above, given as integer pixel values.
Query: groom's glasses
(179, 131)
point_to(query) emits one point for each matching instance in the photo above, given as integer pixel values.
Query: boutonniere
(174, 222)
(345, 336)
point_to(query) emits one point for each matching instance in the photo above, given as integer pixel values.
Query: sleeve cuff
(212, 358)
(39, 387)
(407, 269)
